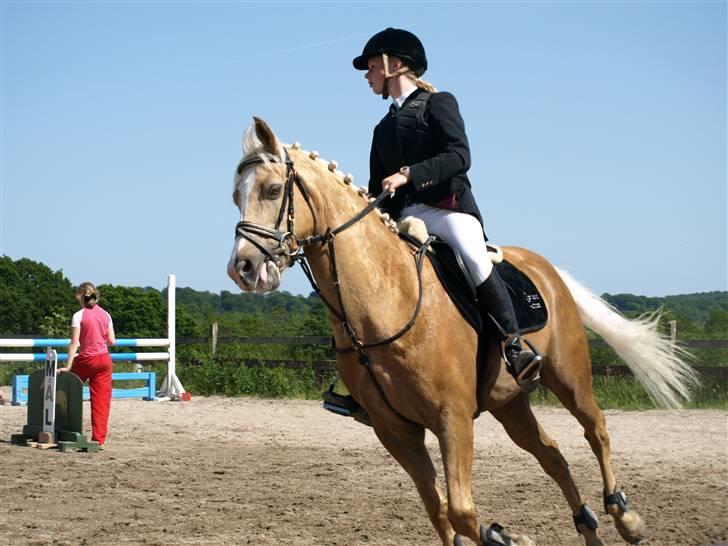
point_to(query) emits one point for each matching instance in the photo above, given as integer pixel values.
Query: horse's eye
(274, 191)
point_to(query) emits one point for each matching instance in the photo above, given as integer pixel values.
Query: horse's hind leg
(521, 425)
(581, 403)
(406, 443)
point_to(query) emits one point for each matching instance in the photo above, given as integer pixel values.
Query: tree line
(35, 300)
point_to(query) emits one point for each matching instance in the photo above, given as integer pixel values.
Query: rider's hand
(394, 181)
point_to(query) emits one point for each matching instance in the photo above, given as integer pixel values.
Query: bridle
(290, 246)
(288, 243)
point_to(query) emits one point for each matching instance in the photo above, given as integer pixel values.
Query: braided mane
(251, 146)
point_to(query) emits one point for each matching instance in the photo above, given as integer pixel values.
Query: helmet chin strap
(389, 75)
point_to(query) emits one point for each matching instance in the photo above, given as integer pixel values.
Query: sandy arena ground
(270, 472)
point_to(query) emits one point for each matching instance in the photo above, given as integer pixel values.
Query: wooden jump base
(65, 432)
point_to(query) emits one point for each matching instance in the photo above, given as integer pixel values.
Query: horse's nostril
(245, 266)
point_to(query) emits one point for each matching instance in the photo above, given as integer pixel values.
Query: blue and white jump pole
(171, 389)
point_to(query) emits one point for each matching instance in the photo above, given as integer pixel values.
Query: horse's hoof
(591, 538)
(630, 526)
(522, 540)
(494, 536)
(458, 541)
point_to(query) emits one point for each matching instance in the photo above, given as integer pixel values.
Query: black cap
(398, 43)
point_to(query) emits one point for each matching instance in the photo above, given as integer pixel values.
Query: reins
(291, 246)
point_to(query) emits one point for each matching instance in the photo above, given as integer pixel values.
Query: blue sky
(597, 129)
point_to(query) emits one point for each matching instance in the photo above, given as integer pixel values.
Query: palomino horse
(422, 375)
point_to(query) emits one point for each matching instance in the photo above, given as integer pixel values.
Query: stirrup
(345, 405)
(526, 369)
(339, 403)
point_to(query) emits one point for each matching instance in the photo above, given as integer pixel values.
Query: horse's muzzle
(253, 272)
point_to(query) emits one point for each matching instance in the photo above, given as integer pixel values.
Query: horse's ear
(266, 136)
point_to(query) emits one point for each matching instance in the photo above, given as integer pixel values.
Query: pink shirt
(94, 324)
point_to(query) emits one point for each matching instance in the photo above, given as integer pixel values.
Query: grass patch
(626, 393)
(231, 377)
(228, 375)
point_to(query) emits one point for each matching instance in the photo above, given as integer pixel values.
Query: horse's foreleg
(456, 445)
(521, 425)
(406, 443)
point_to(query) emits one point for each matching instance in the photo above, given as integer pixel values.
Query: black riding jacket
(430, 138)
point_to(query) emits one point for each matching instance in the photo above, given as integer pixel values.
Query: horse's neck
(376, 273)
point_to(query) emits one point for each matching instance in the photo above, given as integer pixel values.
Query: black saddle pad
(530, 308)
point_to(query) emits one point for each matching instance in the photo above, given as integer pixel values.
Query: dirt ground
(249, 471)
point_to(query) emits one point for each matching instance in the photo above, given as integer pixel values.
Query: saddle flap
(530, 308)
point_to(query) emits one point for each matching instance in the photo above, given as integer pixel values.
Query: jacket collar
(393, 108)
(399, 101)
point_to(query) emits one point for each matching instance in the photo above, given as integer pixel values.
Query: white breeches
(461, 231)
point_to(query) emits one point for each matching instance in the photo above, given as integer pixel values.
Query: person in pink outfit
(93, 330)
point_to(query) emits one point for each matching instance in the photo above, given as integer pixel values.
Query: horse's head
(274, 213)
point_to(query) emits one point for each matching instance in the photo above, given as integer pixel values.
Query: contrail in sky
(309, 46)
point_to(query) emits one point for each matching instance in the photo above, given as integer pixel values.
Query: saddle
(530, 307)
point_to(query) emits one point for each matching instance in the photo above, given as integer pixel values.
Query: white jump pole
(47, 436)
(172, 388)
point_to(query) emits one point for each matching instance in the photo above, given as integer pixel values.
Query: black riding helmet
(398, 43)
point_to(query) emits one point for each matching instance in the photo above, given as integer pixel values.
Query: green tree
(716, 325)
(57, 324)
(30, 291)
(137, 312)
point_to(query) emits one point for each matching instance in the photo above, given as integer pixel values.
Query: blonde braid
(422, 84)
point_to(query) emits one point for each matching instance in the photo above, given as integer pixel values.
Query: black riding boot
(493, 300)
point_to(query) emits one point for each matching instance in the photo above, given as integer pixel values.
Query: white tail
(657, 364)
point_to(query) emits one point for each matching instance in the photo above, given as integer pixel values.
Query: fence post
(673, 330)
(213, 335)
(172, 388)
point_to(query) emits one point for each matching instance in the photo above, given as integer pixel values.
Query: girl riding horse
(420, 151)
